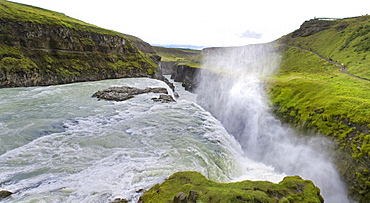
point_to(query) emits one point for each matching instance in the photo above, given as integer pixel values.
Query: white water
(236, 97)
(57, 144)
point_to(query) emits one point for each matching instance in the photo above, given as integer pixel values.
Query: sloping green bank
(42, 47)
(188, 57)
(291, 189)
(316, 96)
(345, 41)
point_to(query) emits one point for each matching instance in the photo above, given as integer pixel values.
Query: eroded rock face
(124, 93)
(38, 53)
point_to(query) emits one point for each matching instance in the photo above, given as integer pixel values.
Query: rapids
(60, 145)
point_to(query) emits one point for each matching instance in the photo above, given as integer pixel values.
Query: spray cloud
(231, 86)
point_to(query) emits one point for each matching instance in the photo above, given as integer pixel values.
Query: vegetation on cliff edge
(189, 57)
(42, 47)
(316, 95)
(291, 189)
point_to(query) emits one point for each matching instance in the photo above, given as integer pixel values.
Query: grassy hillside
(316, 95)
(42, 47)
(20, 12)
(187, 57)
(346, 41)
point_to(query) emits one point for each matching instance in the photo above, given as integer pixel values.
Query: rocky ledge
(200, 189)
(123, 93)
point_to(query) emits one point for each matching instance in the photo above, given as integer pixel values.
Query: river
(58, 144)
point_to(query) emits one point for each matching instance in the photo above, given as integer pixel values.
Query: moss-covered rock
(41, 47)
(195, 185)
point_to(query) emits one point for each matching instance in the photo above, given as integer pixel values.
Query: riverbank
(41, 47)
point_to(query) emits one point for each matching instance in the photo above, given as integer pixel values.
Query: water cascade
(57, 144)
(232, 88)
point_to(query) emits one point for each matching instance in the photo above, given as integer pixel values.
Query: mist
(232, 87)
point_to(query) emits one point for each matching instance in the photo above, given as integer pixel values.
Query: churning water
(57, 144)
(233, 90)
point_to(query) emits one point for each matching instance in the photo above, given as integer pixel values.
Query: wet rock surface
(123, 93)
(4, 194)
(164, 98)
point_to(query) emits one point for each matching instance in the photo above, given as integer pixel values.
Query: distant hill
(42, 47)
(189, 57)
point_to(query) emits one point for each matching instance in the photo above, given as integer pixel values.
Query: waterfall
(232, 88)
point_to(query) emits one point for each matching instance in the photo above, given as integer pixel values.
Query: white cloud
(251, 34)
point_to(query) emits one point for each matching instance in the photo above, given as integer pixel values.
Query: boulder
(180, 198)
(123, 93)
(4, 194)
(164, 98)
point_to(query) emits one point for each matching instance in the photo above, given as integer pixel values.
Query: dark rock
(124, 93)
(164, 98)
(4, 194)
(120, 200)
(312, 27)
(193, 196)
(167, 67)
(140, 190)
(186, 75)
(180, 198)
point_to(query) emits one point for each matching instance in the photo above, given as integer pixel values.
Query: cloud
(251, 34)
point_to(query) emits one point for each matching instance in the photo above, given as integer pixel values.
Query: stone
(123, 93)
(193, 196)
(164, 98)
(180, 198)
(4, 194)
(120, 200)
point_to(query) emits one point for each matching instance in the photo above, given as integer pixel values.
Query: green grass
(22, 12)
(349, 45)
(319, 96)
(291, 189)
(187, 57)
(85, 54)
(314, 95)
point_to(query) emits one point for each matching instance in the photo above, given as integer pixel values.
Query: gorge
(249, 119)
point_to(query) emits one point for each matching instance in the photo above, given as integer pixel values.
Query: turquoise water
(60, 145)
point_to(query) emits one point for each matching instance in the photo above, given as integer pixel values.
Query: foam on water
(61, 145)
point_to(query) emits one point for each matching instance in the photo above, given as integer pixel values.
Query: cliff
(317, 94)
(41, 47)
(181, 64)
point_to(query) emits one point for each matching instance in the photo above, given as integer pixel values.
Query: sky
(203, 23)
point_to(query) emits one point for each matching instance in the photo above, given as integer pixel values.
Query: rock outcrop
(186, 75)
(164, 98)
(312, 27)
(4, 194)
(41, 47)
(175, 188)
(124, 93)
